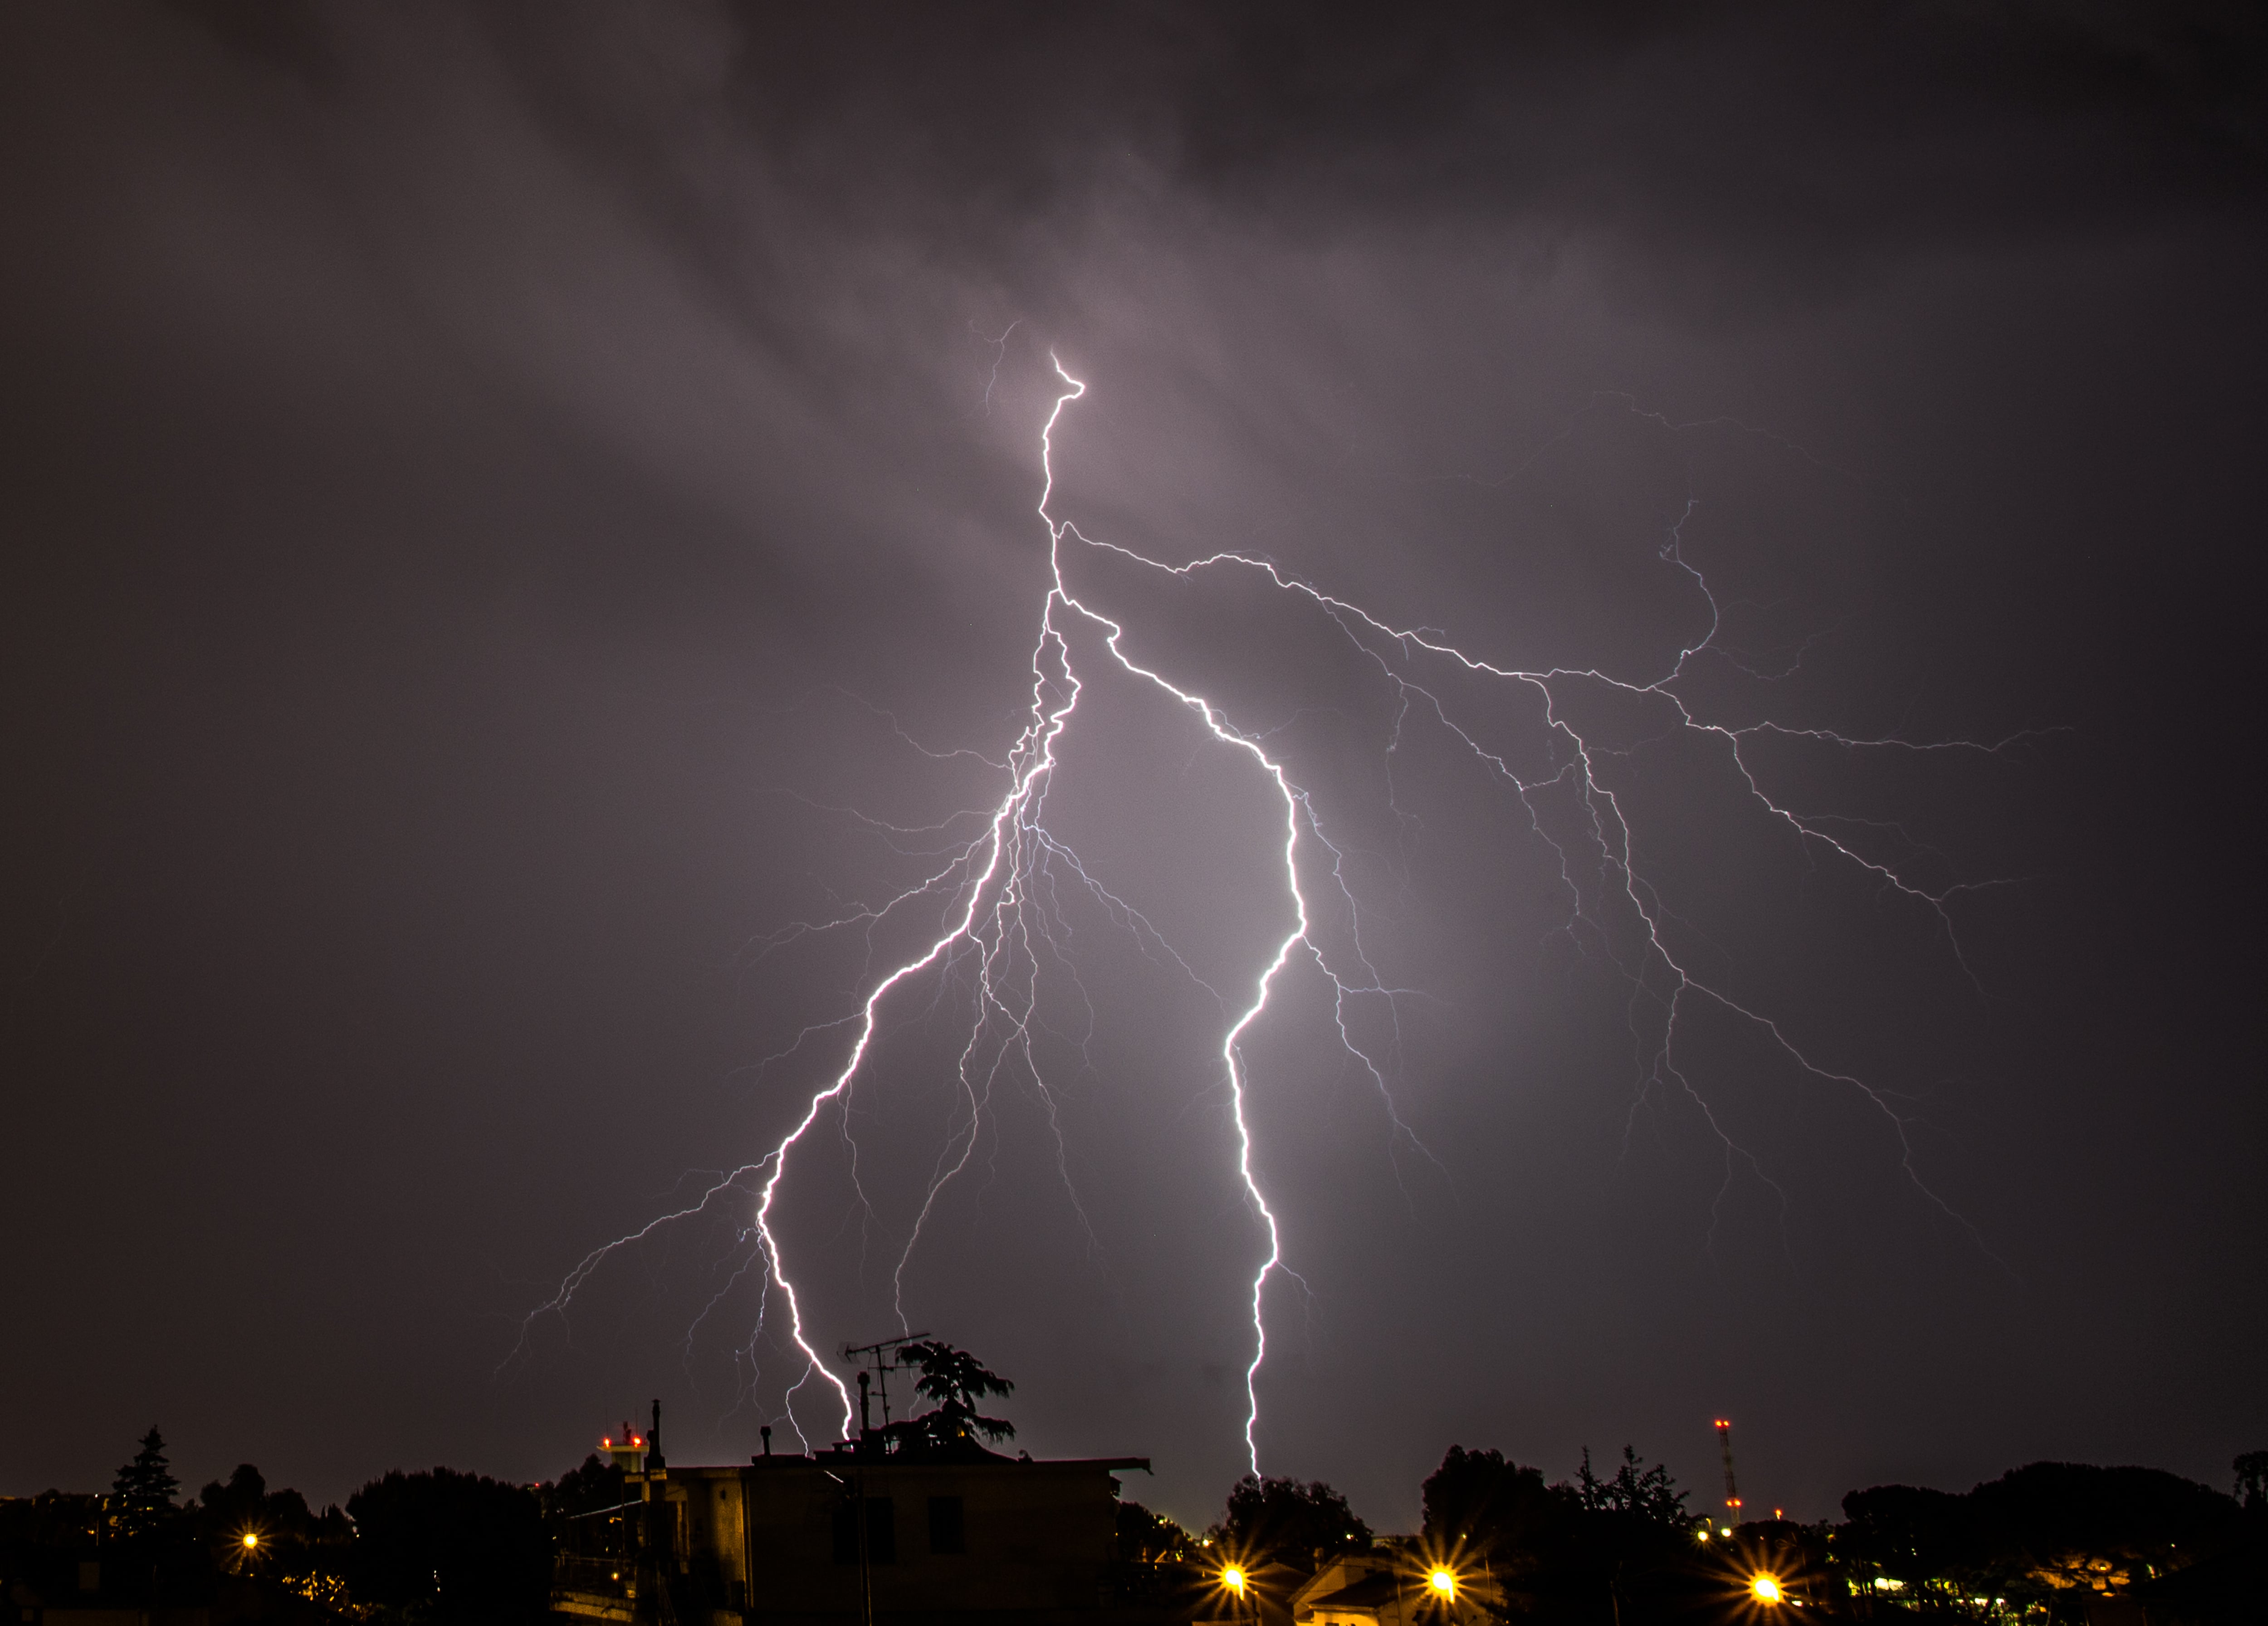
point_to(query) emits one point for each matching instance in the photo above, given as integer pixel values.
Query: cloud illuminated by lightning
(999, 919)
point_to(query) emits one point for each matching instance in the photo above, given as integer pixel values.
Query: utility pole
(856, 1488)
(866, 1557)
(866, 1448)
(1732, 1489)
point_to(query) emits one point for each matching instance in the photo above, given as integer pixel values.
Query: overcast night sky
(508, 509)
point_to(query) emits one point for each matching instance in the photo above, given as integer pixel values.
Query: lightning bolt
(994, 918)
(999, 915)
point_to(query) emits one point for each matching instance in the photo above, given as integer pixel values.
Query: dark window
(882, 1532)
(945, 1535)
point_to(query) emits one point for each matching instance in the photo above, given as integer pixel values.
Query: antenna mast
(883, 1367)
(1732, 1489)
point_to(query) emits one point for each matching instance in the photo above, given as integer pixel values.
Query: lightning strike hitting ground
(1001, 917)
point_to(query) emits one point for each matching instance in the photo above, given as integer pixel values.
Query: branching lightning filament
(996, 917)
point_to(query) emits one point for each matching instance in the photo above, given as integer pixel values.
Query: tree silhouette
(958, 1382)
(1145, 1537)
(1291, 1522)
(1478, 1506)
(144, 1487)
(451, 1547)
(2043, 1534)
(1647, 1493)
(245, 1490)
(2252, 1479)
(591, 1487)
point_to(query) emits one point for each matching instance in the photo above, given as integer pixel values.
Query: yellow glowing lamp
(251, 1539)
(1232, 1579)
(1444, 1584)
(1765, 1589)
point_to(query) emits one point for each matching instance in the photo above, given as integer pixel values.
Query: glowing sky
(517, 519)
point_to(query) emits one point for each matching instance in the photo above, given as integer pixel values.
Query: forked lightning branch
(996, 928)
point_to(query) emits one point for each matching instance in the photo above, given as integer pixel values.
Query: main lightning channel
(995, 890)
(1231, 1056)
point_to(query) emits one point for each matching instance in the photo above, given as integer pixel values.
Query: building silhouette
(886, 1528)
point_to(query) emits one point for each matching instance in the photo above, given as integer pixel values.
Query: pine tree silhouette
(144, 1487)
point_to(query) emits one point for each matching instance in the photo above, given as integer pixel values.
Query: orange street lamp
(1766, 1589)
(1237, 1585)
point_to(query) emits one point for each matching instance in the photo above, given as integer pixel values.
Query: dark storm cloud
(476, 472)
(1801, 138)
(1759, 132)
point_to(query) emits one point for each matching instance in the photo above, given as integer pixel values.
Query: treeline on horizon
(2042, 1543)
(440, 1545)
(409, 1548)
